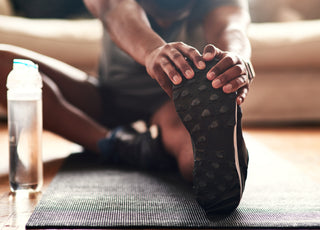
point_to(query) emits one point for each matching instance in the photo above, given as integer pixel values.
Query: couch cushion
(283, 96)
(285, 45)
(5, 7)
(76, 42)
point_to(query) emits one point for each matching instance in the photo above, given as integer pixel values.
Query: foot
(211, 118)
(129, 147)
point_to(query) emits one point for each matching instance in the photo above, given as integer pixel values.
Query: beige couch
(286, 57)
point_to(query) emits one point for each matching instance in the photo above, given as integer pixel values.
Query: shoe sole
(210, 116)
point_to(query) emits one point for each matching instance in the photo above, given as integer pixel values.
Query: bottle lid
(25, 75)
(24, 63)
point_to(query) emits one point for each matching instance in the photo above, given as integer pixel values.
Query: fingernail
(189, 74)
(176, 79)
(216, 83)
(207, 55)
(211, 76)
(202, 65)
(228, 88)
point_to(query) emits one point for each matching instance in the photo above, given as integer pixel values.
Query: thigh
(76, 86)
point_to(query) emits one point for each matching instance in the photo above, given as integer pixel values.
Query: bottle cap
(24, 63)
(25, 75)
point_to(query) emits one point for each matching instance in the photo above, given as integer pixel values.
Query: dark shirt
(127, 79)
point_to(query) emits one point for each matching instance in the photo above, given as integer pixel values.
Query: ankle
(106, 145)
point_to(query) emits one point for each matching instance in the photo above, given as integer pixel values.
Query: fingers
(170, 71)
(192, 54)
(228, 68)
(242, 94)
(227, 60)
(235, 73)
(178, 62)
(230, 73)
(171, 63)
(210, 52)
(165, 84)
(174, 62)
(168, 64)
(235, 84)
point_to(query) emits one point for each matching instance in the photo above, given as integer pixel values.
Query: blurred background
(281, 113)
(284, 34)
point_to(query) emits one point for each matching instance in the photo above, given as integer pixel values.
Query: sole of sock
(210, 116)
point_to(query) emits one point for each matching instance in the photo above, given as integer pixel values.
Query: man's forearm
(128, 26)
(130, 29)
(226, 28)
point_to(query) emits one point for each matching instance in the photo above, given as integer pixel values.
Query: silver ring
(250, 71)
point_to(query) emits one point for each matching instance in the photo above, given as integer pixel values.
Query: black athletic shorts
(121, 107)
(128, 92)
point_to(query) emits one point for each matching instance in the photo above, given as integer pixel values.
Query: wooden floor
(299, 145)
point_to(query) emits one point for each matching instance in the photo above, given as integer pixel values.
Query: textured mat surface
(86, 194)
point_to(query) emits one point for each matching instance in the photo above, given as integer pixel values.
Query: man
(146, 72)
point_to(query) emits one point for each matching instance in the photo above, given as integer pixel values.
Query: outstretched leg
(205, 137)
(71, 99)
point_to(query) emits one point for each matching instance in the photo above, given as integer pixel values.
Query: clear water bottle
(24, 95)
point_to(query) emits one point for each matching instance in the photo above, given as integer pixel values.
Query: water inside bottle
(25, 145)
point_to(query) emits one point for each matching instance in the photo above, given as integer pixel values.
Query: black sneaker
(129, 147)
(242, 149)
(211, 118)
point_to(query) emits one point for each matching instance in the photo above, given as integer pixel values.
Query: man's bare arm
(130, 29)
(127, 25)
(225, 28)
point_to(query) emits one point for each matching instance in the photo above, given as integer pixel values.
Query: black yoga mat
(88, 194)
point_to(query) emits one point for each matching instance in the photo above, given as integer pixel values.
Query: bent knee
(186, 164)
(53, 102)
(166, 116)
